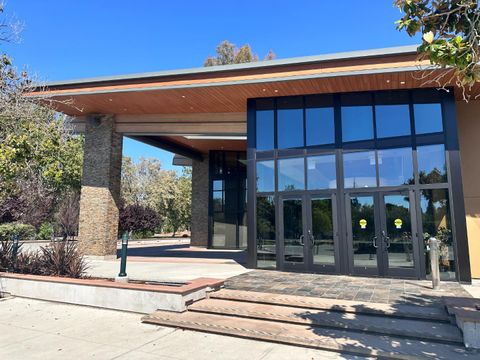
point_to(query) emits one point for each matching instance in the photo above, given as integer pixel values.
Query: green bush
(23, 231)
(45, 232)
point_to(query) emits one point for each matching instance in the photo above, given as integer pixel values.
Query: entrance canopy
(192, 111)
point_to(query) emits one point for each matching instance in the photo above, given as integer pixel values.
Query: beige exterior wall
(468, 118)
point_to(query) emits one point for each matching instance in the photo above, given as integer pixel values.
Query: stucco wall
(200, 203)
(468, 117)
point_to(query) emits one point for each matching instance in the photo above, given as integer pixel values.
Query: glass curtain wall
(375, 141)
(228, 194)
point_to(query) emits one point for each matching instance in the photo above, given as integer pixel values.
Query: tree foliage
(40, 158)
(227, 53)
(138, 218)
(146, 183)
(450, 32)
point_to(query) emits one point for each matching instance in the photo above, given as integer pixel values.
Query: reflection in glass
(265, 176)
(398, 238)
(436, 223)
(322, 231)
(392, 120)
(428, 118)
(320, 126)
(266, 250)
(265, 130)
(224, 231)
(293, 239)
(432, 167)
(395, 167)
(321, 172)
(359, 169)
(363, 231)
(291, 174)
(217, 185)
(289, 128)
(357, 123)
(218, 202)
(242, 231)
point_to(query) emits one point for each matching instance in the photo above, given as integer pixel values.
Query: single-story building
(343, 163)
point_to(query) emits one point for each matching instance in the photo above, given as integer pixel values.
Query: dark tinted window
(320, 126)
(265, 130)
(289, 128)
(357, 123)
(436, 223)
(392, 120)
(432, 167)
(266, 249)
(428, 118)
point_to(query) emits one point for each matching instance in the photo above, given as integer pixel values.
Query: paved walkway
(379, 290)
(32, 329)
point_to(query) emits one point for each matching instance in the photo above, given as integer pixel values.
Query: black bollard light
(123, 256)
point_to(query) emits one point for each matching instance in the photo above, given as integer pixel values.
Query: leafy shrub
(45, 232)
(23, 231)
(62, 258)
(138, 218)
(29, 262)
(6, 254)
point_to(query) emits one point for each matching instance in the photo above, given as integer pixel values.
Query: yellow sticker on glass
(363, 223)
(398, 223)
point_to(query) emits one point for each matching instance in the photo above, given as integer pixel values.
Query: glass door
(362, 234)
(292, 232)
(382, 234)
(400, 242)
(322, 232)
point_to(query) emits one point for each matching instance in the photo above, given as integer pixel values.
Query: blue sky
(64, 39)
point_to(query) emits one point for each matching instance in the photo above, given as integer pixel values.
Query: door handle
(386, 239)
(301, 238)
(374, 242)
(312, 239)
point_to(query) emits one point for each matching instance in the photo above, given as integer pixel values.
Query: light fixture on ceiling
(183, 96)
(402, 82)
(388, 81)
(276, 90)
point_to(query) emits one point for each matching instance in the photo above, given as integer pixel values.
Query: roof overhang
(225, 89)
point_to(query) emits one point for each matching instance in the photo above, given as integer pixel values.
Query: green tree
(40, 158)
(450, 32)
(227, 53)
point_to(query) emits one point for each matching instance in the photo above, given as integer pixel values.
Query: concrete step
(428, 313)
(408, 328)
(353, 342)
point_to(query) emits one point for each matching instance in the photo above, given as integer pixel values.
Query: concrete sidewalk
(32, 329)
(169, 270)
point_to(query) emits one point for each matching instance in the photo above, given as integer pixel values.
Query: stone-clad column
(199, 224)
(98, 224)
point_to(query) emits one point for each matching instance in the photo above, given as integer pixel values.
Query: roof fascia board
(239, 82)
(400, 50)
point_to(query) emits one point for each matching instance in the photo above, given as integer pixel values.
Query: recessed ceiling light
(388, 81)
(402, 82)
(264, 89)
(110, 99)
(275, 90)
(183, 96)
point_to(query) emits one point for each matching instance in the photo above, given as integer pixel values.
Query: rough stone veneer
(100, 195)
(200, 203)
